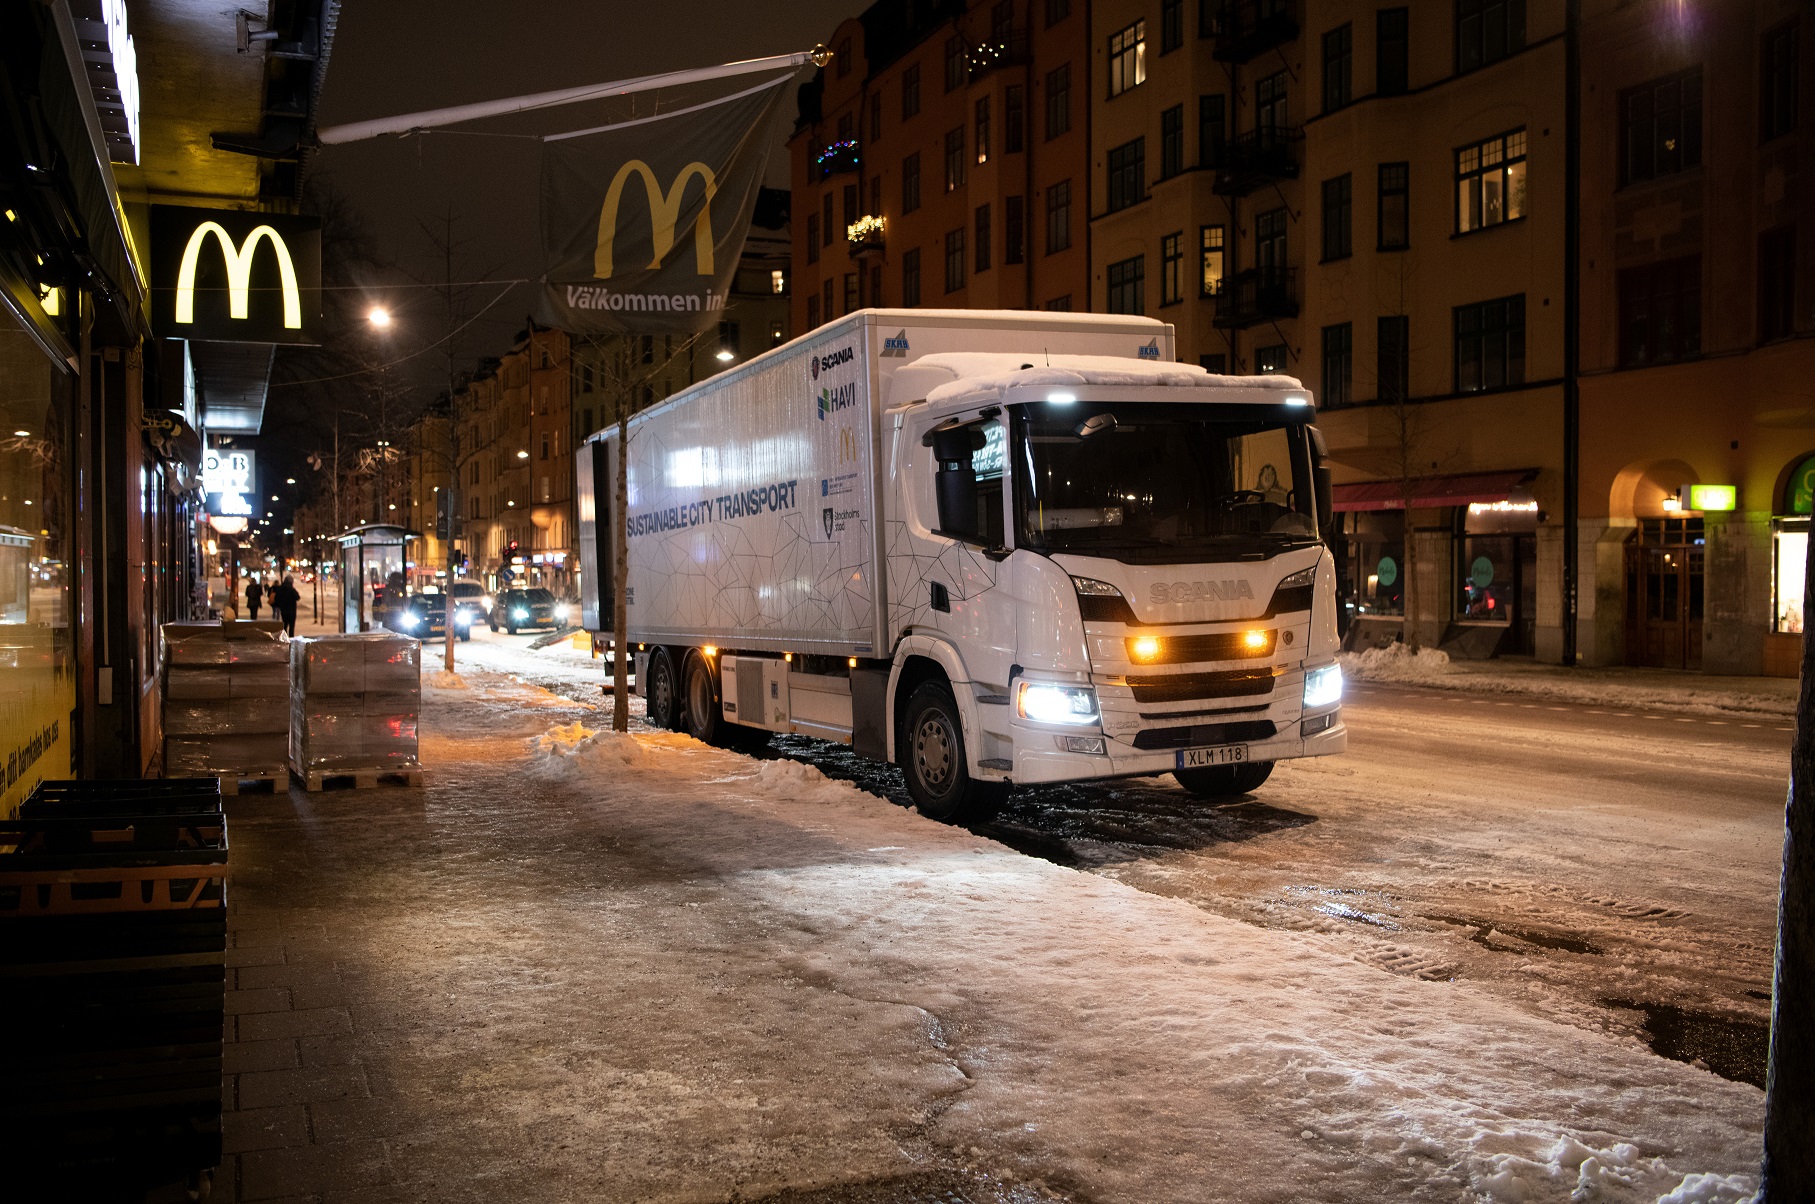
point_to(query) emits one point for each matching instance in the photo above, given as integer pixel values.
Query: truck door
(965, 590)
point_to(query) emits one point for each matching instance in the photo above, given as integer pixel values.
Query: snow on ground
(1100, 1041)
(1619, 687)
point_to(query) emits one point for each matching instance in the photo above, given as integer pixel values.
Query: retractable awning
(1459, 489)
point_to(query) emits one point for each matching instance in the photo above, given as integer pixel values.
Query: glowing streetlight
(523, 455)
(379, 316)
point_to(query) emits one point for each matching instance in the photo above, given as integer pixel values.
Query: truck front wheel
(662, 693)
(1224, 781)
(933, 760)
(702, 719)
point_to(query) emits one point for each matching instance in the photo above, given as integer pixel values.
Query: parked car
(471, 598)
(425, 617)
(515, 609)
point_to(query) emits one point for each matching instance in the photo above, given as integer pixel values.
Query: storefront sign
(1713, 497)
(228, 479)
(225, 276)
(1387, 571)
(114, 80)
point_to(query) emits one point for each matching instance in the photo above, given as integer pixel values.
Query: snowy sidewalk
(1620, 686)
(588, 966)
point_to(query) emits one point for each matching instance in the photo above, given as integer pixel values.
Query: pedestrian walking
(284, 598)
(255, 597)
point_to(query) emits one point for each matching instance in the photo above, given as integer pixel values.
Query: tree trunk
(1789, 1162)
(620, 578)
(1410, 559)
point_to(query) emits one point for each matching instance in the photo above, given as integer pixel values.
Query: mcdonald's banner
(643, 222)
(229, 276)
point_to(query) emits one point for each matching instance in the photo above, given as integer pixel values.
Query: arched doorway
(1665, 564)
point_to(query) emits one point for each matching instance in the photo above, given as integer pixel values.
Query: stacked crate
(355, 701)
(113, 939)
(226, 701)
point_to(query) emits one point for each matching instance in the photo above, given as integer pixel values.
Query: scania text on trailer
(991, 547)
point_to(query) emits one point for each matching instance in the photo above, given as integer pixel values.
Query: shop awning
(1459, 489)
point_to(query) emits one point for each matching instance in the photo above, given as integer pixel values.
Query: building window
(956, 64)
(1172, 141)
(876, 195)
(982, 129)
(954, 159)
(1060, 304)
(1776, 284)
(826, 299)
(910, 183)
(1490, 344)
(1338, 357)
(1210, 242)
(1014, 230)
(1058, 101)
(1270, 360)
(1487, 31)
(812, 238)
(1392, 51)
(1338, 67)
(1777, 83)
(983, 232)
(954, 260)
(1172, 25)
(825, 224)
(1127, 58)
(1490, 182)
(1056, 11)
(1058, 217)
(850, 292)
(585, 378)
(1661, 126)
(910, 91)
(1661, 312)
(1014, 119)
(875, 292)
(778, 283)
(1395, 230)
(1172, 269)
(777, 333)
(1338, 207)
(1127, 174)
(1393, 350)
(910, 278)
(1270, 245)
(813, 311)
(1270, 102)
(1212, 132)
(1127, 286)
(875, 116)
(850, 206)
(1214, 362)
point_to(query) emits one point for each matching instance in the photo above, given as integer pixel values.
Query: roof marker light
(1298, 401)
(1061, 399)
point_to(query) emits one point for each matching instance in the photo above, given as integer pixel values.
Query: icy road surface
(579, 966)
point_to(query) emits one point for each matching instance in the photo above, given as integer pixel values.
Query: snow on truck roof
(986, 372)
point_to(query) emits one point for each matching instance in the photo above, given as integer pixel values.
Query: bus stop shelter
(374, 565)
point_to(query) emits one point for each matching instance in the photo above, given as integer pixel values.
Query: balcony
(1257, 158)
(866, 235)
(1009, 50)
(1257, 295)
(838, 157)
(1246, 28)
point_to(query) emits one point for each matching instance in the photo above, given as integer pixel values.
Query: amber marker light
(710, 650)
(1144, 649)
(1257, 641)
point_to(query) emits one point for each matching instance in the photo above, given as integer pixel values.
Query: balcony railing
(1257, 295)
(866, 235)
(839, 157)
(1245, 28)
(1257, 158)
(1011, 50)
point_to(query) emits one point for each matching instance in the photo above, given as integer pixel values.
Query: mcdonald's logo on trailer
(223, 275)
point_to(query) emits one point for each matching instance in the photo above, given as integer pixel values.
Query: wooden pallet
(356, 779)
(276, 781)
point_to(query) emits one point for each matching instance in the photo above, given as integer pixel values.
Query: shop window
(1490, 182)
(1376, 550)
(1789, 567)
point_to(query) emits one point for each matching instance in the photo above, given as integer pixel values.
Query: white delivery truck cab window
(970, 462)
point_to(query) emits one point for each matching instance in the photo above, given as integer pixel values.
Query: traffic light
(510, 549)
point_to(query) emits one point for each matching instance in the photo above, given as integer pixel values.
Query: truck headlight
(1301, 578)
(1045, 703)
(1323, 687)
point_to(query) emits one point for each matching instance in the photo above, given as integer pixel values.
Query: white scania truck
(993, 548)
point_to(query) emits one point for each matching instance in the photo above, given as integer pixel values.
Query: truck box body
(1030, 510)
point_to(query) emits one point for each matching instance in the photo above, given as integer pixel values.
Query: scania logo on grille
(1180, 592)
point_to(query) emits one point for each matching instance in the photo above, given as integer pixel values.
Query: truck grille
(1205, 734)
(1189, 687)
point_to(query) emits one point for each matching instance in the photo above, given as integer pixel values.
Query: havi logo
(833, 400)
(896, 346)
(1152, 350)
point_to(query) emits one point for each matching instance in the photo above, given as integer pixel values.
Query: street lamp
(379, 316)
(523, 455)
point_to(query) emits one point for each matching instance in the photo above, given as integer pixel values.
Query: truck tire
(932, 758)
(702, 718)
(662, 697)
(1224, 781)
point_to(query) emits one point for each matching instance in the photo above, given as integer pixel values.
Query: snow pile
(798, 783)
(577, 746)
(1615, 1173)
(441, 679)
(991, 372)
(1396, 662)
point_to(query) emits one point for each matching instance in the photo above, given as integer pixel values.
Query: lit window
(778, 281)
(1490, 182)
(1128, 58)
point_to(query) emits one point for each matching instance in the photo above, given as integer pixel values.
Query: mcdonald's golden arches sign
(229, 276)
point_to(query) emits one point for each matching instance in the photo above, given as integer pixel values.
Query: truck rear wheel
(931, 753)
(662, 694)
(702, 720)
(1224, 781)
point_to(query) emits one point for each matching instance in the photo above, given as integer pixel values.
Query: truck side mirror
(956, 478)
(1326, 512)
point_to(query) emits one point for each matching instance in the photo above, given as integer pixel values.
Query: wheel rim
(933, 751)
(663, 691)
(699, 700)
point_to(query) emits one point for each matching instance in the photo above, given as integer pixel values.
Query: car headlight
(409, 620)
(462, 619)
(519, 614)
(486, 601)
(1323, 687)
(1044, 703)
(561, 611)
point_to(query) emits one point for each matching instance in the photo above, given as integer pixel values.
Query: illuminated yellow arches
(239, 273)
(664, 213)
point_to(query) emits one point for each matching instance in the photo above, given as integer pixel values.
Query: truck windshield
(1162, 483)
